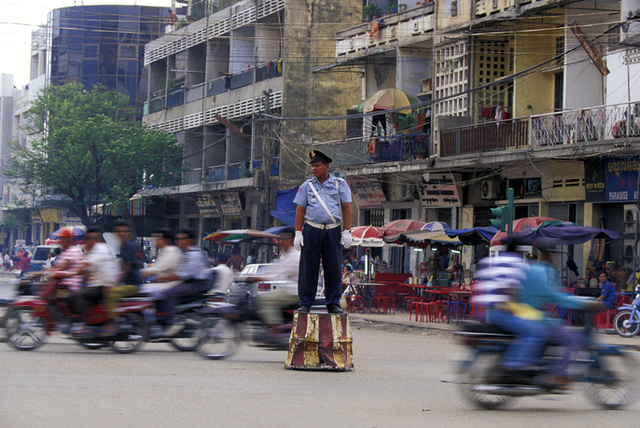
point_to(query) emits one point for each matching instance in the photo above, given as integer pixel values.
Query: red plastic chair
(604, 319)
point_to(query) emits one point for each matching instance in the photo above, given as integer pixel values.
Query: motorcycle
(190, 315)
(227, 324)
(33, 316)
(608, 371)
(627, 321)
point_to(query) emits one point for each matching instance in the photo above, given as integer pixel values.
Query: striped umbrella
(389, 99)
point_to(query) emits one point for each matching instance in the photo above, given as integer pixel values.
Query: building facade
(532, 95)
(222, 83)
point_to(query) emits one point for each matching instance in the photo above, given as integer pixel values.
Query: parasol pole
(510, 214)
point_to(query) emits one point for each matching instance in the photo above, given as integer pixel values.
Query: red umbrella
(525, 224)
(366, 236)
(399, 226)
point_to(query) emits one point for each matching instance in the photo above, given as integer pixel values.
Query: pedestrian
(25, 263)
(324, 207)
(236, 262)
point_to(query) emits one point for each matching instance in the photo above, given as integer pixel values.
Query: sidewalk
(401, 321)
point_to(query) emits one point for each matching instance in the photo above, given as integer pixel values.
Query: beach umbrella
(389, 99)
(237, 235)
(366, 236)
(399, 226)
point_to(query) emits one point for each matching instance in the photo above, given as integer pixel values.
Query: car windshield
(41, 253)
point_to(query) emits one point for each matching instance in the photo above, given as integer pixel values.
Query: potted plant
(393, 7)
(370, 11)
(419, 153)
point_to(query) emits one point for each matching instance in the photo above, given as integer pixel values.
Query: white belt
(322, 226)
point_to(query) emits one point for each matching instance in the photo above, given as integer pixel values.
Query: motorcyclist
(195, 276)
(167, 262)
(68, 263)
(500, 280)
(99, 270)
(543, 287)
(128, 281)
(272, 304)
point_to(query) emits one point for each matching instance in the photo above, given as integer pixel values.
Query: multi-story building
(221, 83)
(532, 95)
(90, 45)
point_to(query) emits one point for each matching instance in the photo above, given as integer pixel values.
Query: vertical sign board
(207, 207)
(367, 193)
(230, 204)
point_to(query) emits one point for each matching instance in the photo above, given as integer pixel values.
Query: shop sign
(366, 193)
(612, 179)
(230, 203)
(439, 190)
(49, 215)
(67, 217)
(208, 207)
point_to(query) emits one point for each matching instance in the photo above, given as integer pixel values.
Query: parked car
(256, 288)
(39, 256)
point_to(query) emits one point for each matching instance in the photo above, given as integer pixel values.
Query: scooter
(609, 371)
(627, 321)
(227, 324)
(33, 316)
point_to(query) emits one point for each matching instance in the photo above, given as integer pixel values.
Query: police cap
(318, 156)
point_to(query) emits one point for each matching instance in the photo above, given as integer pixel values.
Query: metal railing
(599, 123)
(392, 148)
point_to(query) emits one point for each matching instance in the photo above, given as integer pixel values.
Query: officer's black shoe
(334, 309)
(304, 309)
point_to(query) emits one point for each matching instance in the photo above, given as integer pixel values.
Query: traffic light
(500, 220)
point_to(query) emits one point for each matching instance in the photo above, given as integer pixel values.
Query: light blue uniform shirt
(329, 194)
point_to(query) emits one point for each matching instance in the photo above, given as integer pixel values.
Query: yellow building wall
(534, 45)
(569, 172)
(309, 36)
(444, 13)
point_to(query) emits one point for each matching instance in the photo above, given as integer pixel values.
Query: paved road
(402, 379)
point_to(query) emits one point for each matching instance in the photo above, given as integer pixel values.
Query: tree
(88, 147)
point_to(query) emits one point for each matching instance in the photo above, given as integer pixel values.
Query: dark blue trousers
(320, 245)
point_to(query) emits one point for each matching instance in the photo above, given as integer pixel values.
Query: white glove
(346, 239)
(298, 241)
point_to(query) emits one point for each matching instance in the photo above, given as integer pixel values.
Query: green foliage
(87, 146)
(370, 10)
(9, 222)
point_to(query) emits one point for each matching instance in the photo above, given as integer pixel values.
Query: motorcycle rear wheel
(219, 339)
(612, 380)
(23, 330)
(623, 325)
(191, 322)
(474, 373)
(134, 328)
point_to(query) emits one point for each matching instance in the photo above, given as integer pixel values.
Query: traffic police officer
(324, 205)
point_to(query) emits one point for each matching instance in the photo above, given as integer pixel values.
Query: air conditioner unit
(489, 189)
(630, 219)
(627, 252)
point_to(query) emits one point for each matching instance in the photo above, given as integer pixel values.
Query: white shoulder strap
(315, 192)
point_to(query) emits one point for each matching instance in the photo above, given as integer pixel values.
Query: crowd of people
(95, 274)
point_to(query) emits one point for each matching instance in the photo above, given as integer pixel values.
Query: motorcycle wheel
(612, 380)
(134, 328)
(219, 339)
(93, 345)
(474, 373)
(23, 330)
(191, 322)
(623, 325)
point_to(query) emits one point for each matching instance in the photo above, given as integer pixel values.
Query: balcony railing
(239, 170)
(606, 122)
(483, 137)
(400, 147)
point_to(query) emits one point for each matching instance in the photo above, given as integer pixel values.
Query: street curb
(412, 326)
